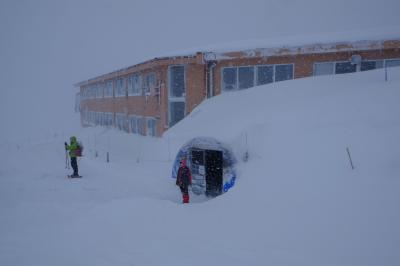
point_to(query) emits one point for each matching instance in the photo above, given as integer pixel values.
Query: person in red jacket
(184, 180)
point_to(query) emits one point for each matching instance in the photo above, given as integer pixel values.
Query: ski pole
(69, 162)
(66, 160)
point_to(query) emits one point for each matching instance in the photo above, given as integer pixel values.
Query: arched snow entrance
(211, 163)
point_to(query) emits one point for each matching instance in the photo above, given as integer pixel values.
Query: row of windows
(134, 85)
(329, 68)
(132, 124)
(233, 78)
(237, 78)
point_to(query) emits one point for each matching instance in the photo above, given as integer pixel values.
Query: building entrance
(207, 172)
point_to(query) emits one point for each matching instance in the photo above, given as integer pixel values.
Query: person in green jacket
(73, 148)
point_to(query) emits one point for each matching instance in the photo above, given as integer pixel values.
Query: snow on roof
(315, 43)
(287, 45)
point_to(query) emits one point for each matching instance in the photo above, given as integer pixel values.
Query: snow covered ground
(297, 200)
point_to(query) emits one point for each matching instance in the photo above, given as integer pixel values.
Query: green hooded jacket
(72, 147)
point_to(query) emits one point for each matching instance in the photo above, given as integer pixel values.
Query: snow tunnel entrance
(212, 165)
(207, 172)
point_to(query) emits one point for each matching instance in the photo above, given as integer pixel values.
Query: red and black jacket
(184, 177)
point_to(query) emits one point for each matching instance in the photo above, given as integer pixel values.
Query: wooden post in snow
(351, 161)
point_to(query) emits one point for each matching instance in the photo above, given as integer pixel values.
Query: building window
(229, 78)
(94, 91)
(120, 90)
(136, 125)
(345, 67)
(135, 85)
(176, 112)
(133, 123)
(108, 90)
(120, 122)
(151, 127)
(86, 92)
(177, 81)
(371, 64)
(140, 125)
(100, 90)
(83, 92)
(265, 74)
(92, 118)
(97, 118)
(326, 68)
(392, 62)
(246, 77)
(176, 94)
(108, 119)
(149, 83)
(283, 72)
(91, 91)
(329, 68)
(234, 78)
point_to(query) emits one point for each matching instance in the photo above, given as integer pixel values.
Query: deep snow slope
(298, 195)
(297, 201)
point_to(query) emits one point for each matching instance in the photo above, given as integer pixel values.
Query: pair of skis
(74, 176)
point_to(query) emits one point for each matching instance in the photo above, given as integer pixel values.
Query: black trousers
(184, 190)
(74, 165)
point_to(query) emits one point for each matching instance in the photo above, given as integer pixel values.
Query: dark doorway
(198, 172)
(214, 172)
(207, 172)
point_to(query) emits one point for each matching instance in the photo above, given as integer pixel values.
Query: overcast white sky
(49, 45)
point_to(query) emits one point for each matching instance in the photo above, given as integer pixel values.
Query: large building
(150, 97)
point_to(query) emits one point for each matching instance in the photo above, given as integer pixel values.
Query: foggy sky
(49, 45)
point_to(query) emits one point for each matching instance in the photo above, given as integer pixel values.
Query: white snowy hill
(297, 200)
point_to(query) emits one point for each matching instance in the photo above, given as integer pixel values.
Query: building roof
(370, 39)
(360, 39)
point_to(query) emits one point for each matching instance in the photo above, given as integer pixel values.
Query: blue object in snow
(230, 184)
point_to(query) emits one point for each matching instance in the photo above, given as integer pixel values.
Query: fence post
(386, 74)
(246, 153)
(351, 161)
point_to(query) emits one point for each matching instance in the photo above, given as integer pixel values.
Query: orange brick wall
(195, 86)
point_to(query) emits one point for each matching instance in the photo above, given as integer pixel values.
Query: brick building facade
(150, 97)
